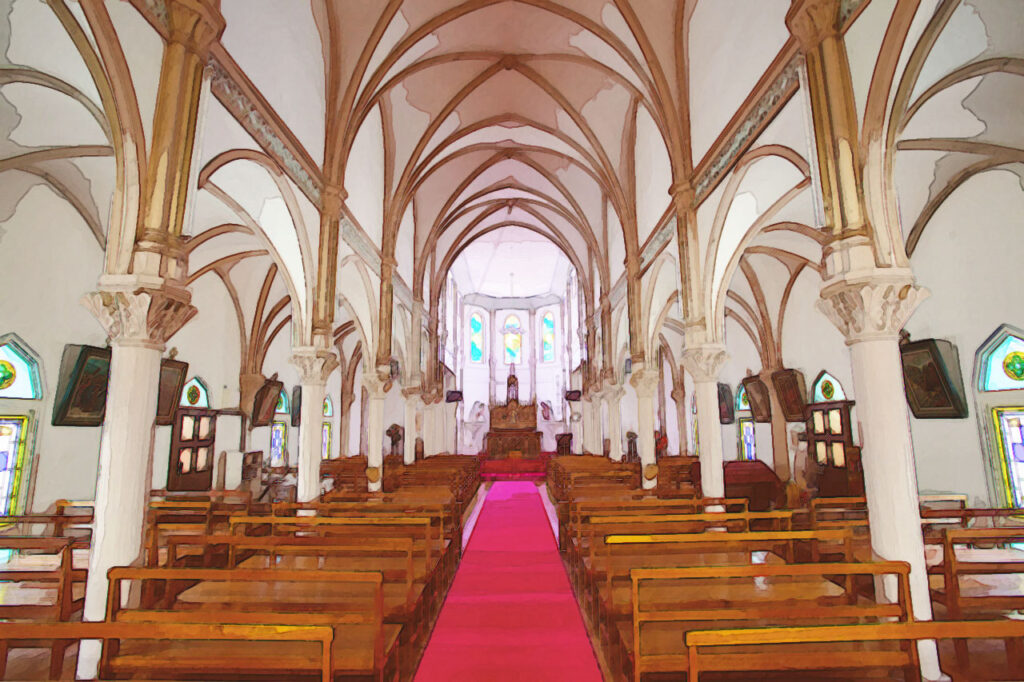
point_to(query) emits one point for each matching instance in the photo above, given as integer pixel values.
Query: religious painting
(168, 397)
(932, 380)
(296, 416)
(81, 386)
(726, 414)
(790, 389)
(265, 402)
(757, 396)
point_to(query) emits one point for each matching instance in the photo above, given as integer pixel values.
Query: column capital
(704, 362)
(314, 364)
(196, 24)
(644, 380)
(812, 21)
(613, 393)
(140, 316)
(376, 385)
(872, 308)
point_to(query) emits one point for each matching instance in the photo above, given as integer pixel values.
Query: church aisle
(510, 614)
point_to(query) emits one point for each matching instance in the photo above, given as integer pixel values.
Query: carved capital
(613, 394)
(645, 381)
(144, 317)
(314, 364)
(376, 385)
(811, 21)
(704, 362)
(870, 310)
(196, 24)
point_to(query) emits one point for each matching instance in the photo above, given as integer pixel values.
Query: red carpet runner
(510, 614)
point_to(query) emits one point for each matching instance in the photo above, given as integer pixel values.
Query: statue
(512, 386)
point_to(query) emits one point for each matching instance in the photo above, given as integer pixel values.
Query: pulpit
(512, 445)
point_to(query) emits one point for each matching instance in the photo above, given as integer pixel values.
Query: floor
(510, 614)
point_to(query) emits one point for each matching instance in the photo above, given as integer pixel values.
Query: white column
(314, 365)
(137, 323)
(870, 312)
(645, 381)
(613, 397)
(412, 407)
(704, 363)
(591, 430)
(376, 389)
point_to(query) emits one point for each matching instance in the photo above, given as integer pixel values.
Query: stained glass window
(547, 337)
(278, 443)
(747, 445)
(827, 388)
(476, 338)
(19, 373)
(282, 404)
(325, 441)
(328, 407)
(13, 432)
(195, 394)
(742, 401)
(513, 340)
(1003, 367)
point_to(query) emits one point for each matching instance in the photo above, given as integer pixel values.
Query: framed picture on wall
(265, 402)
(172, 381)
(757, 396)
(296, 405)
(791, 390)
(81, 398)
(726, 406)
(932, 379)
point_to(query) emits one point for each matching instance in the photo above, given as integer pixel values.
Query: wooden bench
(669, 602)
(27, 635)
(351, 602)
(771, 648)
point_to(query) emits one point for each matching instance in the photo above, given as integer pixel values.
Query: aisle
(510, 614)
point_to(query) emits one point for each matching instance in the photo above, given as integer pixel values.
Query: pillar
(613, 397)
(590, 408)
(413, 404)
(780, 437)
(646, 381)
(137, 323)
(704, 362)
(314, 365)
(376, 390)
(870, 312)
(679, 398)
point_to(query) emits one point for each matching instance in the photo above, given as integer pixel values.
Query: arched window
(279, 433)
(13, 437)
(195, 394)
(742, 401)
(476, 338)
(547, 337)
(325, 429)
(19, 372)
(513, 340)
(999, 370)
(1003, 367)
(827, 389)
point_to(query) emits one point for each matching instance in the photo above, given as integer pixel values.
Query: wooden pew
(351, 602)
(60, 525)
(758, 649)
(669, 602)
(25, 635)
(40, 583)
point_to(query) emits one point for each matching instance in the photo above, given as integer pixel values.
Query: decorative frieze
(656, 242)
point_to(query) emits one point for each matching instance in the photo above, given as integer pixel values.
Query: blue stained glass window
(476, 338)
(742, 401)
(513, 340)
(195, 394)
(748, 447)
(547, 337)
(328, 407)
(19, 373)
(278, 444)
(827, 388)
(1003, 368)
(12, 461)
(282, 404)
(325, 441)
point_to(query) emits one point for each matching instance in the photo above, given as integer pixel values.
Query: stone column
(591, 410)
(645, 380)
(679, 398)
(137, 323)
(413, 405)
(376, 389)
(613, 397)
(314, 365)
(870, 312)
(780, 445)
(704, 363)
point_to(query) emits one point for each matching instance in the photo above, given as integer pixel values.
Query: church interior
(444, 340)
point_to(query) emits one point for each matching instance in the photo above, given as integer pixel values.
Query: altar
(512, 445)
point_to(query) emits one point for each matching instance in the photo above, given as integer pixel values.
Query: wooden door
(192, 453)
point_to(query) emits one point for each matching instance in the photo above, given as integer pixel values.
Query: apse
(512, 304)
